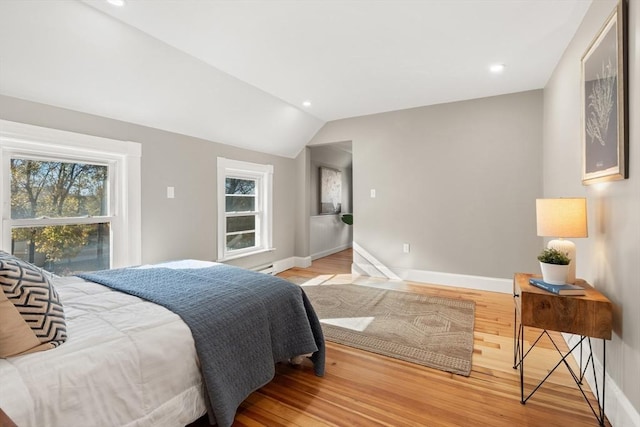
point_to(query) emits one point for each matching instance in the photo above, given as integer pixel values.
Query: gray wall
(457, 181)
(610, 257)
(303, 179)
(184, 227)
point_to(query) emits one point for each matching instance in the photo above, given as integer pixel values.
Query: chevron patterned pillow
(31, 315)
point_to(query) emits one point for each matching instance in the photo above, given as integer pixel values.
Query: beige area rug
(432, 331)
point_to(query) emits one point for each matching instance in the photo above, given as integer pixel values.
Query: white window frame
(123, 159)
(263, 175)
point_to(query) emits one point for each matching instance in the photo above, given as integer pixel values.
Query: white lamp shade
(563, 217)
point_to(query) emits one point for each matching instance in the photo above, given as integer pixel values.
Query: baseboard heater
(265, 269)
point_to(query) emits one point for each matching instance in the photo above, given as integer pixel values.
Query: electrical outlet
(406, 248)
(171, 193)
(373, 193)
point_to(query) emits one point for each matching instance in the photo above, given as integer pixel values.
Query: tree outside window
(60, 207)
(244, 208)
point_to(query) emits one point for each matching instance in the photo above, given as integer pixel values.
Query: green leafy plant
(554, 256)
(347, 219)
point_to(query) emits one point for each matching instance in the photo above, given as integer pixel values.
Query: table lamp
(562, 218)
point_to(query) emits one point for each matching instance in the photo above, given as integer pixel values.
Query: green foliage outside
(54, 189)
(240, 196)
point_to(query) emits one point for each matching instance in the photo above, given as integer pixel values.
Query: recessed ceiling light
(496, 68)
(306, 104)
(118, 3)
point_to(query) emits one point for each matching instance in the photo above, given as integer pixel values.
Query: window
(71, 202)
(60, 213)
(244, 208)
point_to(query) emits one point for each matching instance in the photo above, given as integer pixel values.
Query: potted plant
(347, 219)
(554, 265)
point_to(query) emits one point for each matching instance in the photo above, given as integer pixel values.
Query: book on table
(565, 289)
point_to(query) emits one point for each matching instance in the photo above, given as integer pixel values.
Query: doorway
(329, 228)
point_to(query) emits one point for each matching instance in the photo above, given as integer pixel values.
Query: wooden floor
(365, 389)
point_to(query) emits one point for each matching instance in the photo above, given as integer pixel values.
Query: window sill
(245, 254)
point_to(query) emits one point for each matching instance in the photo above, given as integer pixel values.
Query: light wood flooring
(365, 389)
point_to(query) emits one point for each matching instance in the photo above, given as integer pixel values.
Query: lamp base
(568, 247)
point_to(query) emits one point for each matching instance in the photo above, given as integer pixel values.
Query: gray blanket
(242, 322)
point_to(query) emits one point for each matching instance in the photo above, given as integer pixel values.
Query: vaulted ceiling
(238, 72)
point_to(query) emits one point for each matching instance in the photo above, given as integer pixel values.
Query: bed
(131, 362)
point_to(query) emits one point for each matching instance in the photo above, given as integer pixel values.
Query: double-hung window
(244, 208)
(69, 200)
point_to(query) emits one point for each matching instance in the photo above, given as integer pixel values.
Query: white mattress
(127, 362)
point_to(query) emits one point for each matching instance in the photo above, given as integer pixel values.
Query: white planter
(554, 273)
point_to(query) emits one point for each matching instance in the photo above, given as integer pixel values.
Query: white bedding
(127, 362)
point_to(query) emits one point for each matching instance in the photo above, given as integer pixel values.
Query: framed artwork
(330, 191)
(604, 102)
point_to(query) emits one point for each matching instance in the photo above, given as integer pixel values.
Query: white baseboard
(617, 407)
(283, 264)
(302, 262)
(330, 251)
(492, 284)
(287, 263)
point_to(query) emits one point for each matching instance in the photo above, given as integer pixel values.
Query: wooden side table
(589, 316)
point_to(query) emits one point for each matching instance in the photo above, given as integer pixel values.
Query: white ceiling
(243, 68)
